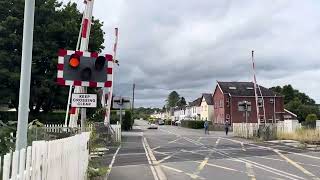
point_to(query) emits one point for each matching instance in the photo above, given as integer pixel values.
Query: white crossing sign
(84, 100)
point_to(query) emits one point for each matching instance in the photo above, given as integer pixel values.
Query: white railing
(63, 159)
(117, 132)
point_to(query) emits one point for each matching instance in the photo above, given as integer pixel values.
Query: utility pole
(132, 106)
(26, 61)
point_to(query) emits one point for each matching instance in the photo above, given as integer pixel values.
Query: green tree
(56, 26)
(173, 99)
(297, 102)
(311, 120)
(182, 102)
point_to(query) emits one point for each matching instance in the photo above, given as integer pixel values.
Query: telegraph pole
(132, 106)
(26, 61)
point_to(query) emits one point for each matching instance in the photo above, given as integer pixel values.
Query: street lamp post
(26, 61)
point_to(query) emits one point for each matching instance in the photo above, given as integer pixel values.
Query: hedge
(193, 124)
(49, 117)
(167, 122)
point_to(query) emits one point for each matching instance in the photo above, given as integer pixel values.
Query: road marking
(156, 148)
(155, 169)
(150, 163)
(257, 165)
(217, 142)
(112, 161)
(173, 169)
(221, 167)
(297, 165)
(250, 171)
(242, 146)
(180, 171)
(174, 140)
(163, 159)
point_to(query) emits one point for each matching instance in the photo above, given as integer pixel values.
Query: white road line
(156, 148)
(180, 171)
(174, 140)
(150, 163)
(221, 167)
(250, 171)
(165, 158)
(159, 173)
(242, 146)
(217, 142)
(112, 161)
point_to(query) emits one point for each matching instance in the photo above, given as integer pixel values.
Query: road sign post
(26, 61)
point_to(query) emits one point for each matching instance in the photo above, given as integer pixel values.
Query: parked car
(177, 123)
(153, 126)
(161, 122)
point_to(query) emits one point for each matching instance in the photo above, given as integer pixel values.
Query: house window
(228, 102)
(228, 116)
(260, 102)
(271, 100)
(221, 103)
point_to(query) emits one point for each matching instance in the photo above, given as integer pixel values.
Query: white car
(153, 126)
(178, 122)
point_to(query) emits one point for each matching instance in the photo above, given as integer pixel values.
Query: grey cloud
(188, 45)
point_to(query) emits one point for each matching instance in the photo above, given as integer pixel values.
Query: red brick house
(228, 97)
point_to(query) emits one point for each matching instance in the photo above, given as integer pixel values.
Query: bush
(311, 121)
(193, 124)
(127, 121)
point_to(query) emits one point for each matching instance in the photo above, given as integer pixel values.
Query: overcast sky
(187, 45)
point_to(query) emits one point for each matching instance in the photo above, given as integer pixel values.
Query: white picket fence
(62, 159)
(251, 129)
(117, 131)
(245, 129)
(58, 128)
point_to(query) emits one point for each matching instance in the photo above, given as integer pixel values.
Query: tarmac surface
(177, 153)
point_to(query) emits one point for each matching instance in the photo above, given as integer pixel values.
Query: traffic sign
(84, 100)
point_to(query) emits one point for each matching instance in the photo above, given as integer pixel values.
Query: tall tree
(173, 99)
(182, 102)
(297, 102)
(56, 26)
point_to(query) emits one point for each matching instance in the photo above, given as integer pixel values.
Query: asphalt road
(179, 153)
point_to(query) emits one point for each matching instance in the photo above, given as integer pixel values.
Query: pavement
(178, 153)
